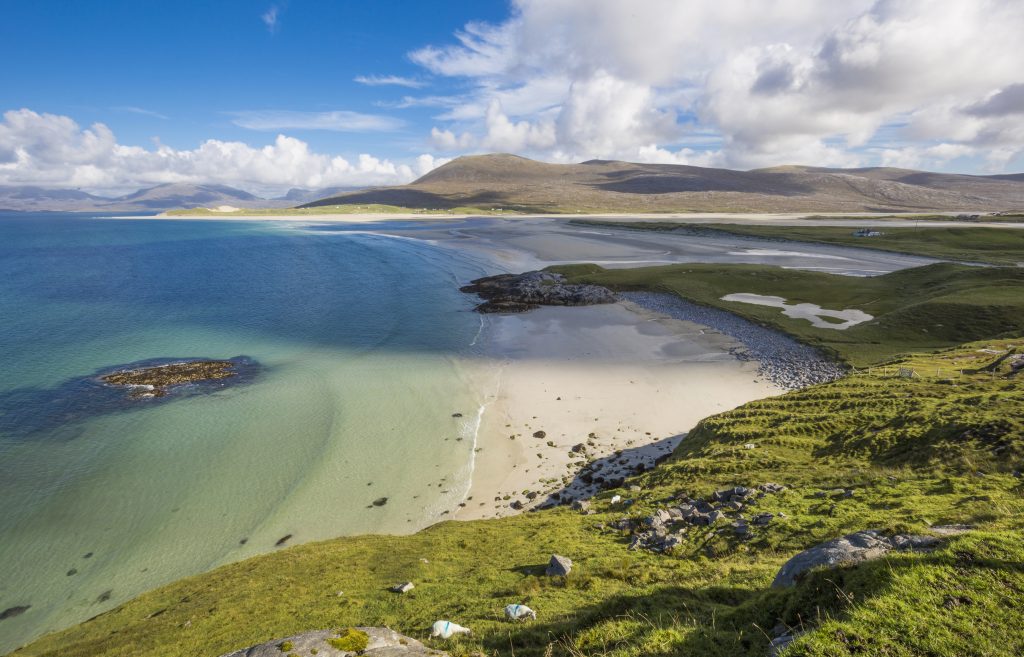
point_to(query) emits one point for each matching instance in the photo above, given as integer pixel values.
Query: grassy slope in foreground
(916, 309)
(916, 452)
(996, 246)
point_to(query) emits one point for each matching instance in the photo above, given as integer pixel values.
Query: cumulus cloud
(54, 151)
(776, 81)
(338, 121)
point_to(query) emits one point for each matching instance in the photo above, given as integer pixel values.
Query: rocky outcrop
(516, 293)
(851, 549)
(379, 642)
(154, 381)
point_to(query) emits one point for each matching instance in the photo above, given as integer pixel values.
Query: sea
(358, 415)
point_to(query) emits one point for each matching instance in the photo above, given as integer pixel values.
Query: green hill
(905, 454)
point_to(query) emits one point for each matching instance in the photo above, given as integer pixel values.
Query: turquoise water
(358, 338)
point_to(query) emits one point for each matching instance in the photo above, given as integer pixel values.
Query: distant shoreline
(915, 219)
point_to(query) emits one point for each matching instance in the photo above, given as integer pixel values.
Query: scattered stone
(404, 587)
(540, 434)
(379, 642)
(380, 501)
(103, 597)
(517, 505)
(284, 539)
(749, 446)
(762, 519)
(73, 571)
(578, 448)
(456, 414)
(558, 566)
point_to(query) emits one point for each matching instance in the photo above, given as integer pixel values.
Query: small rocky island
(517, 293)
(156, 380)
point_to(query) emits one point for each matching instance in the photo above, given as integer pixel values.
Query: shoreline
(842, 219)
(615, 385)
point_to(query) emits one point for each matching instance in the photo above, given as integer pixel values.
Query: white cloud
(385, 80)
(140, 110)
(270, 17)
(54, 151)
(338, 121)
(777, 81)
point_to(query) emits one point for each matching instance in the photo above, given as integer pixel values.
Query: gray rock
(780, 643)
(382, 643)
(851, 549)
(581, 505)
(762, 519)
(558, 566)
(404, 587)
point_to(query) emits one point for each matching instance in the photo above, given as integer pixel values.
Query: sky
(113, 95)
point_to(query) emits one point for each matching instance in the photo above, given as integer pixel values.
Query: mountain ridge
(518, 183)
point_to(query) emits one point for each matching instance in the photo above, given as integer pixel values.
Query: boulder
(850, 549)
(558, 566)
(404, 587)
(381, 642)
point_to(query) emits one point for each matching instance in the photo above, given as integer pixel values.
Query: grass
(924, 308)
(996, 246)
(916, 452)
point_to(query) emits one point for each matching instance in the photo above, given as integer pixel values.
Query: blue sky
(189, 65)
(111, 95)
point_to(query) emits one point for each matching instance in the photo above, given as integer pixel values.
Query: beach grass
(996, 246)
(915, 451)
(918, 309)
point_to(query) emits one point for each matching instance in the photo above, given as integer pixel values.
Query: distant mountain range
(152, 199)
(517, 183)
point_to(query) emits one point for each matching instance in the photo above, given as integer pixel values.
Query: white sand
(813, 313)
(635, 382)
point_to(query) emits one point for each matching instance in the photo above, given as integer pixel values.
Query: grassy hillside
(995, 246)
(914, 309)
(915, 452)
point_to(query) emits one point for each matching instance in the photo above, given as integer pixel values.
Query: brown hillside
(517, 183)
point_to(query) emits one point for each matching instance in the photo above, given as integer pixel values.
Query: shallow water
(358, 339)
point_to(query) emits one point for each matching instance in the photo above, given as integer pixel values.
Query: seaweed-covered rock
(379, 642)
(154, 381)
(523, 292)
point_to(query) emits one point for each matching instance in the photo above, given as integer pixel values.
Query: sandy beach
(618, 383)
